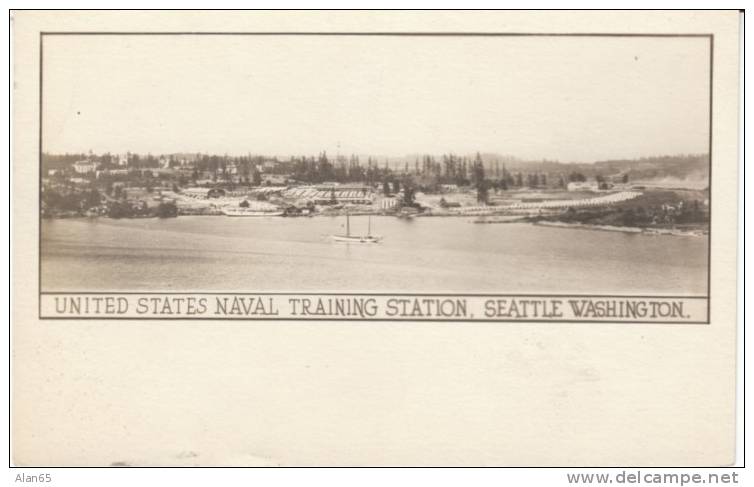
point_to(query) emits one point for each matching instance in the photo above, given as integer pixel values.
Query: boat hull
(367, 239)
(251, 213)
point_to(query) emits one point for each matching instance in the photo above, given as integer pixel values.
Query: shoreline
(675, 232)
(478, 219)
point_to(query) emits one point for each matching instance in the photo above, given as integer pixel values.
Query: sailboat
(361, 239)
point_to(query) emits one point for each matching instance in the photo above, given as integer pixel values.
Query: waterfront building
(388, 203)
(84, 167)
(269, 165)
(583, 186)
(327, 194)
(203, 193)
(122, 159)
(449, 188)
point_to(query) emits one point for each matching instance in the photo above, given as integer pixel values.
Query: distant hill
(681, 167)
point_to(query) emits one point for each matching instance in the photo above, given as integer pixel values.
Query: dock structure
(524, 206)
(604, 200)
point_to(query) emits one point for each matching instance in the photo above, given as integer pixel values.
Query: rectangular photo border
(710, 38)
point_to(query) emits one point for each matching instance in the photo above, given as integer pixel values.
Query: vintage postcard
(375, 238)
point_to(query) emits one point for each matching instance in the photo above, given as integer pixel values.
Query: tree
(601, 181)
(576, 177)
(482, 192)
(628, 218)
(396, 186)
(625, 178)
(91, 198)
(477, 171)
(119, 210)
(326, 172)
(386, 188)
(244, 204)
(243, 165)
(408, 192)
(167, 210)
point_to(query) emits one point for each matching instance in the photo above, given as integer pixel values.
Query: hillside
(693, 167)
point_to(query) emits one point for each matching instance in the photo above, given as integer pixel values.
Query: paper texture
(374, 238)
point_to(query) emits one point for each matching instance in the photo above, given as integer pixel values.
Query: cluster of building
(201, 184)
(200, 169)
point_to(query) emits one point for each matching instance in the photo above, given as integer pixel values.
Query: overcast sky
(569, 99)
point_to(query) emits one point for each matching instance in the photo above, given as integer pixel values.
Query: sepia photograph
(376, 162)
(362, 238)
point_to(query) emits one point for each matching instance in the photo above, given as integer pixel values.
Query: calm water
(423, 254)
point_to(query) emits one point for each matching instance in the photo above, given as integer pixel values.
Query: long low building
(599, 201)
(203, 193)
(604, 200)
(325, 194)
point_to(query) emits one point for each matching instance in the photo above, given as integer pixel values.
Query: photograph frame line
(364, 319)
(435, 34)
